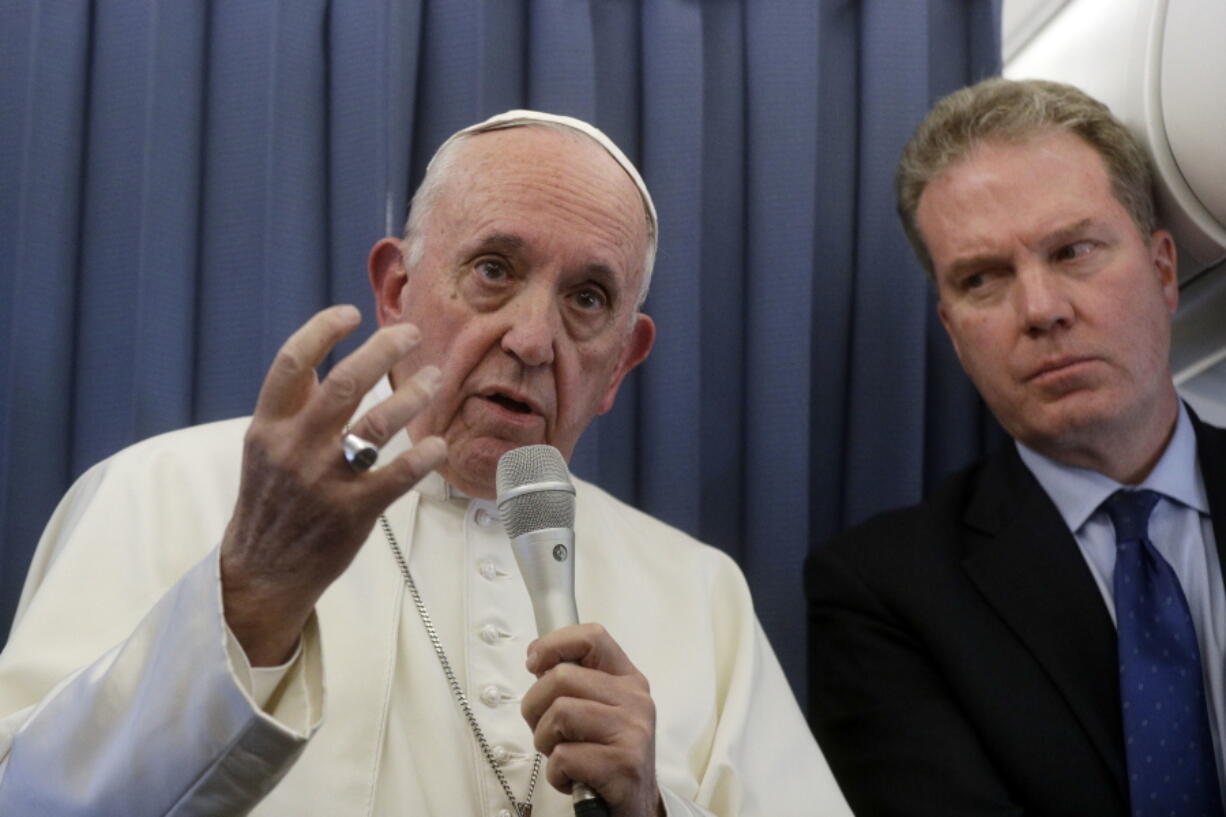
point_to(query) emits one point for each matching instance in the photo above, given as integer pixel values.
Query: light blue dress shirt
(1181, 530)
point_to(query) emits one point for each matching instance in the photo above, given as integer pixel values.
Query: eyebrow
(503, 242)
(1068, 233)
(601, 274)
(975, 263)
(985, 260)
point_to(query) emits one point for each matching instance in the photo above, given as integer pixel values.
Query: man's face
(524, 294)
(1057, 306)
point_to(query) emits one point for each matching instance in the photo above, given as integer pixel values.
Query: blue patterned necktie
(1171, 766)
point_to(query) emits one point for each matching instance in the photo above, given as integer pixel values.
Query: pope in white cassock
(232, 619)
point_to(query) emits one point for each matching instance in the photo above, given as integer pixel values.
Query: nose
(532, 327)
(1043, 305)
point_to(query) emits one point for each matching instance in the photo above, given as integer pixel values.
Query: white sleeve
(118, 693)
(159, 725)
(285, 701)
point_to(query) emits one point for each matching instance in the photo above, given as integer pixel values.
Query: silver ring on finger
(359, 453)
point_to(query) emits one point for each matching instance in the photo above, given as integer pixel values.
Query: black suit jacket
(962, 661)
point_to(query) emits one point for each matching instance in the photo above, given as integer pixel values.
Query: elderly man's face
(1058, 308)
(525, 296)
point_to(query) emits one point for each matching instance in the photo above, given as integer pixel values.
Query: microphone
(536, 501)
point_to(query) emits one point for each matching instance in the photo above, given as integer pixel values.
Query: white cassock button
(490, 696)
(489, 634)
(488, 569)
(500, 754)
(484, 518)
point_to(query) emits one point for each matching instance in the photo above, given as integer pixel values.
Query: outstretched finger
(381, 422)
(341, 391)
(292, 373)
(386, 484)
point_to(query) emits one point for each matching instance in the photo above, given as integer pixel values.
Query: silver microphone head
(534, 490)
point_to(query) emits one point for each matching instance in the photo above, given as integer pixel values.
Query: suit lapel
(1027, 565)
(1211, 454)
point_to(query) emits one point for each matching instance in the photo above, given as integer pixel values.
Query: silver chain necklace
(521, 808)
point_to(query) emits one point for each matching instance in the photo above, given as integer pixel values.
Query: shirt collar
(1078, 492)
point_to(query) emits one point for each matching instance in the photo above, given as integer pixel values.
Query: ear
(1165, 260)
(634, 352)
(388, 277)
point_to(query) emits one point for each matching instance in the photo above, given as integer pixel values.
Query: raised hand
(302, 511)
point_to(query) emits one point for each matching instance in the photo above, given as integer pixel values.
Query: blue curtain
(183, 183)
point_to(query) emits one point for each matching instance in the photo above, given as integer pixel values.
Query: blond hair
(1001, 110)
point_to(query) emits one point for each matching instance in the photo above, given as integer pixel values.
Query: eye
(591, 299)
(972, 281)
(979, 281)
(492, 270)
(1073, 251)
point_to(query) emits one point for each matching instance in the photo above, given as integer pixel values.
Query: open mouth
(508, 403)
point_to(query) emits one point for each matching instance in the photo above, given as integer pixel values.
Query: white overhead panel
(1022, 20)
(1160, 65)
(1193, 93)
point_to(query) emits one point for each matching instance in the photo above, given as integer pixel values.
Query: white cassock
(122, 693)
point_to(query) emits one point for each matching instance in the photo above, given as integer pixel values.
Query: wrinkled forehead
(543, 155)
(555, 163)
(545, 189)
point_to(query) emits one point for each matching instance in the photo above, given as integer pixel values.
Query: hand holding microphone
(590, 710)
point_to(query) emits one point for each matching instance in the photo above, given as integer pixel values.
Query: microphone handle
(546, 561)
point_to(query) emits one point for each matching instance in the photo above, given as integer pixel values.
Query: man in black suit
(965, 653)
